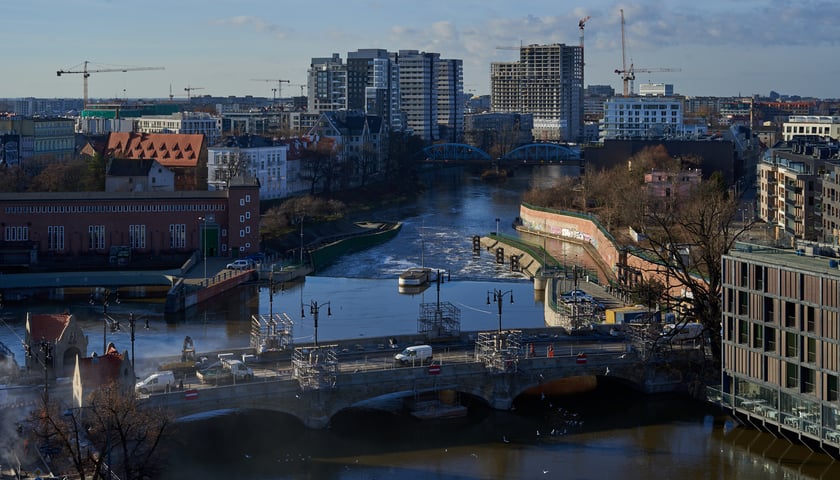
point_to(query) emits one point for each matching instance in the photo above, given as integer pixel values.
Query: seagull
(504, 439)
(545, 472)
(608, 371)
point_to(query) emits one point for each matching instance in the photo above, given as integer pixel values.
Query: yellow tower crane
(86, 73)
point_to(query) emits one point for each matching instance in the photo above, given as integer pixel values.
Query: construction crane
(86, 73)
(628, 74)
(279, 84)
(189, 90)
(301, 85)
(581, 23)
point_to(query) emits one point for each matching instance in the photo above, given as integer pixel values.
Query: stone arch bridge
(498, 387)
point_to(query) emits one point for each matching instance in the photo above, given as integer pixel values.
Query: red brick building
(73, 225)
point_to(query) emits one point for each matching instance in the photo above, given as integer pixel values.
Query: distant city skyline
(721, 48)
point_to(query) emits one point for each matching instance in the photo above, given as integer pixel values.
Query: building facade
(419, 93)
(547, 82)
(781, 342)
(450, 86)
(803, 125)
(182, 122)
(73, 225)
(641, 117)
(258, 157)
(790, 188)
(183, 154)
(327, 84)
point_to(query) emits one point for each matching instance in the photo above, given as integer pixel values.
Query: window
(770, 335)
(137, 236)
(96, 237)
(811, 350)
(55, 238)
(809, 318)
(791, 345)
(758, 336)
(792, 375)
(743, 304)
(790, 314)
(177, 235)
(831, 387)
(809, 383)
(743, 332)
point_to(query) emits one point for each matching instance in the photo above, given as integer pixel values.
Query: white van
(688, 331)
(156, 383)
(414, 355)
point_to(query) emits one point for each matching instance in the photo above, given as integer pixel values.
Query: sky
(243, 47)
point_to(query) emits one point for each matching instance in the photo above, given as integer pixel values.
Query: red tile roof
(169, 149)
(48, 326)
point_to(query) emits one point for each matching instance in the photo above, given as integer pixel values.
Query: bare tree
(112, 433)
(687, 243)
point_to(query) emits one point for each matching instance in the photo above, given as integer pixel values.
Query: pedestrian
(531, 350)
(550, 351)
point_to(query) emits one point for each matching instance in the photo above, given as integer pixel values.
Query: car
(576, 296)
(241, 264)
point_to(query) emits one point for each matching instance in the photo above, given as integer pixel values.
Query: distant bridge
(496, 384)
(531, 154)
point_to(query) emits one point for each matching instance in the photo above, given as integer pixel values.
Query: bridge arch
(542, 153)
(455, 152)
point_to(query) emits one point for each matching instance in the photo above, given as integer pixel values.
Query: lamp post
(46, 350)
(114, 325)
(301, 239)
(314, 308)
(131, 323)
(498, 296)
(204, 246)
(497, 226)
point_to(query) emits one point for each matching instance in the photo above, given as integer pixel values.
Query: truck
(156, 383)
(226, 370)
(414, 355)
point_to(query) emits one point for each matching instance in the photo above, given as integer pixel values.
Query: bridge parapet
(497, 387)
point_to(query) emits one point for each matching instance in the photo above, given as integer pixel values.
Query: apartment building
(373, 85)
(813, 125)
(546, 81)
(182, 122)
(641, 117)
(327, 84)
(781, 342)
(259, 157)
(790, 189)
(39, 141)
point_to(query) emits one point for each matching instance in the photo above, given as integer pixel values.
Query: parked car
(241, 264)
(576, 296)
(156, 383)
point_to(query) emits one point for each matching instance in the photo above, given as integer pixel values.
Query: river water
(609, 433)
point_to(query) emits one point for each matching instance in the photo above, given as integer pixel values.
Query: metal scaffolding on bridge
(315, 367)
(271, 333)
(440, 319)
(499, 351)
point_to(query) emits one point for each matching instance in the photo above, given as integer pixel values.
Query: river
(609, 433)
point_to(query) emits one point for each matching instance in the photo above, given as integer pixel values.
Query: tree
(13, 179)
(112, 432)
(404, 153)
(687, 243)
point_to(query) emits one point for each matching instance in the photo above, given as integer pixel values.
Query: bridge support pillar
(501, 398)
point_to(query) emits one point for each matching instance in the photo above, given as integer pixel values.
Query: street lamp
(131, 322)
(46, 350)
(497, 226)
(498, 296)
(204, 246)
(115, 326)
(314, 308)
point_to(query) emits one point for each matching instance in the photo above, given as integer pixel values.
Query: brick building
(72, 226)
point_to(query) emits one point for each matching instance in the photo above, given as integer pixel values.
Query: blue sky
(721, 47)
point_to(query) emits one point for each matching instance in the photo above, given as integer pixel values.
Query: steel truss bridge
(531, 154)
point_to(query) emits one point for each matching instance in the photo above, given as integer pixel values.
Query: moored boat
(415, 277)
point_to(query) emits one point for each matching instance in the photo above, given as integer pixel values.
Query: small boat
(415, 277)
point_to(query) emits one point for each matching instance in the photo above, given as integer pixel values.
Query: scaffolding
(499, 351)
(439, 320)
(315, 367)
(271, 333)
(643, 336)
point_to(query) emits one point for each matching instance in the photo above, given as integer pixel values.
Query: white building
(819, 125)
(642, 117)
(656, 90)
(259, 157)
(182, 122)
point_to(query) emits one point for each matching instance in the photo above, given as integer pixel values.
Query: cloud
(258, 25)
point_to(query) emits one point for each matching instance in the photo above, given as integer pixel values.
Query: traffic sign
(434, 369)
(191, 394)
(581, 359)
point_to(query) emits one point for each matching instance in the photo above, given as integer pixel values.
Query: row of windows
(108, 208)
(16, 233)
(96, 236)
